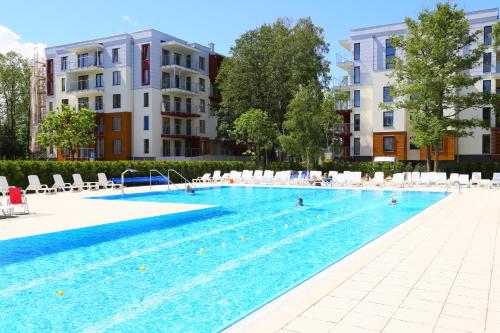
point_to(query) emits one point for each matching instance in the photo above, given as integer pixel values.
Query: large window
(202, 105)
(165, 57)
(166, 148)
(388, 143)
(486, 143)
(64, 63)
(83, 103)
(202, 126)
(99, 104)
(177, 124)
(202, 84)
(487, 62)
(63, 84)
(487, 115)
(177, 58)
(357, 122)
(117, 124)
(146, 100)
(117, 101)
(357, 74)
(146, 146)
(188, 83)
(165, 125)
(117, 146)
(99, 83)
(117, 79)
(357, 53)
(388, 118)
(357, 146)
(177, 104)
(188, 105)
(177, 147)
(146, 123)
(357, 98)
(188, 61)
(83, 82)
(390, 52)
(114, 55)
(202, 63)
(166, 103)
(188, 126)
(387, 95)
(487, 35)
(486, 86)
(99, 147)
(83, 60)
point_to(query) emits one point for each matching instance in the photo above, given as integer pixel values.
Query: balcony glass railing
(194, 131)
(82, 63)
(340, 59)
(98, 107)
(343, 128)
(183, 62)
(194, 109)
(84, 85)
(179, 84)
(343, 81)
(343, 105)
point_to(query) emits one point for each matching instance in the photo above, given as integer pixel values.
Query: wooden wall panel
(448, 152)
(125, 135)
(400, 144)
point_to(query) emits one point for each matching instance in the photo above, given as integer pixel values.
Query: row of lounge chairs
(349, 178)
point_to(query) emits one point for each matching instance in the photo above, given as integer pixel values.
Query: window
(166, 148)
(117, 79)
(357, 146)
(357, 74)
(177, 126)
(99, 83)
(177, 59)
(165, 80)
(98, 58)
(166, 103)
(486, 86)
(487, 35)
(117, 101)
(387, 95)
(177, 104)
(357, 50)
(99, 147)
(165, 57)
(188, 105)
(63, 84)
(357, 122)
(202, 126)
(146, 100)
(146, 123)
(51, 106)
(83, 82)
(117, 124)
(114, 55)
(486, 143)
(63, 101)
(165, 125)
(188, 61)
(202, 105)
(177, 147)
(388, 143)
(188, 83)
(202, 84)
(177, 81)
(357, 98)
(145, 52)
(64, 63)
(414, 146)
(99, 105)
(83, 60)
(146, 146)
(83, 103)
(388, 118)
(188, 126)
(202, 63)
(487, 115)
(487, 62)
(117, 146)
(145, 77)
(390, 52)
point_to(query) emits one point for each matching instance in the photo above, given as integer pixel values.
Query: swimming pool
(190, 272)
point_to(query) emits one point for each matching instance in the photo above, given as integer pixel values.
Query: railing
(194, 131)
(181, 84)
(162, 175)
(83, 85)
(341, 82)
(170, 61)
(84, 63)
(194, 109)
(98, 107)
(343, 105)
(186, 182)
(340, 59)
(345, 128)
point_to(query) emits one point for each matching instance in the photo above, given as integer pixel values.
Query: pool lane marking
(12, 290)
(153, 301)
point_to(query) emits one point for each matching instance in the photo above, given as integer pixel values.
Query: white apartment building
(369, 131)
(152, 93)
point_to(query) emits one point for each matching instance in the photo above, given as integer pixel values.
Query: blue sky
(57, 22)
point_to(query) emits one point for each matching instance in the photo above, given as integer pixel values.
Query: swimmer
(300, 202)
(189, 189)
(393, 201)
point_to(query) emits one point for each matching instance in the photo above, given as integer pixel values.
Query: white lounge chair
(424, 179)
(4, 186)
(216, 177)
(441, 179)
(258, 176)
(339, 180)
(246, 176)
(7, 210)
(475, 179)
(433, 178)
(415, 178)
(315, 177)
(378, 179)
(78, 183)
(59, 183)
(225, 177)
(463, 179)
(35, 186)
(355, 178)
(495, 180)
(398, 179)
(203, 179)
(453, 178)
(235, 176)
(105, 183)
(268, 176)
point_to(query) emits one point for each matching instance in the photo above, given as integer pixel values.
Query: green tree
(305, 125)
(68, 128)
(14, 106)
(266, 68)
(496, 36)
(431, 79)
(255, 129)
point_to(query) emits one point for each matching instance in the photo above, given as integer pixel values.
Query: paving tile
(307, 325)
(472, 302)
(464, 311)
(347, 328)
(375, 309)
(419, 304)
(493, 316)
(365, 320)
(428, 295)
(457, 323)
(325, 313)
(417, 316)
(342, 303)
(381, 298)
(349, 293)
(399, 326)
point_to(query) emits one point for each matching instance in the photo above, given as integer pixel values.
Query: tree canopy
(430, 76)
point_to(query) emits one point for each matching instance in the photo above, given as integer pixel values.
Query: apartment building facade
(368, 130)
(151, 92)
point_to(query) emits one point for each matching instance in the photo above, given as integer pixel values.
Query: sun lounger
(59, 183)
(225, 177)
(433, 178)
(475, 179)
(216, 177)
(441, 179)
(398, 179)
(378, 179)
(203, 179)
(355, 178)
(453, 179)
(268, 176)
(424, 179)
(315, 177)
(78, 183)
(235, 176)
(495, 181)
(4, 186)
(246, 176)
(415, 178)
(463, 179)
(37, 187)
(105, 183)
(17, 199)
(339, 180)
(257, 176)
(6, 210)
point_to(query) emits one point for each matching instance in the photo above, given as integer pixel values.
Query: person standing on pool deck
(300, 202)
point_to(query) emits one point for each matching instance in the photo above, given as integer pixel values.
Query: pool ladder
(167, 178)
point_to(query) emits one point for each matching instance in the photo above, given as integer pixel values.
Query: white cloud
(10, 41)
(130, 20)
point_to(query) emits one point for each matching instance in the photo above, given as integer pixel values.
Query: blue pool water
(202, 270)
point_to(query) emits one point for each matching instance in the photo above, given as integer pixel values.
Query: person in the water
(189, 189)
(300, 202)
(393, 201)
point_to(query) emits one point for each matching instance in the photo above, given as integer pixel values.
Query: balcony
(181, 86)
(176, 46)
(172, 65)
(84, 87)
(343, 107)
(182, 133)
(85, 64)
(343, 129)
(344, 63)
(180, 111)
(97, 107)
(342, 83)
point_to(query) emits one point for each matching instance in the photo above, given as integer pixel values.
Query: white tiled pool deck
(437, 272)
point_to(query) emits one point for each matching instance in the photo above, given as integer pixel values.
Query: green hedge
(17, 171)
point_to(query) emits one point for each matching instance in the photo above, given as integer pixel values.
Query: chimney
(211, 46)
